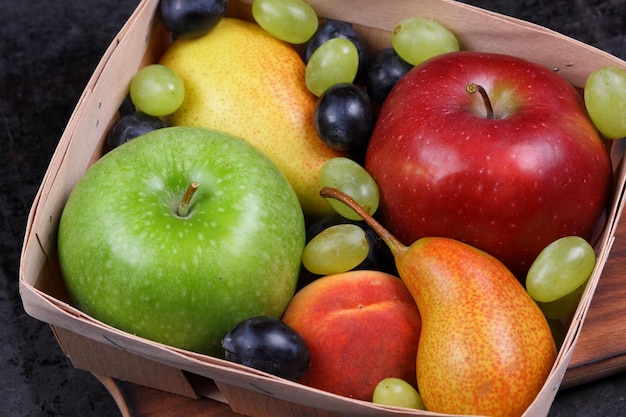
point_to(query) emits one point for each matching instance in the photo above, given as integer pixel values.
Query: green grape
(605, 98)
(398, 393)
(157, 90)
(335, 61)
(346, 175)
(292, 21)
(557, 277)
(336, 249)
(417, 39)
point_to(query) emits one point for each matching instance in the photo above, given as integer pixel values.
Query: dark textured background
(48, 50)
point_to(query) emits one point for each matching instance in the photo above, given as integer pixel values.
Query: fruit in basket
(179, 234)
(191, 18)
(335, 61)
(557, 278)
(384, 69)
(337, 29)
(378, 256)
(417, 39)
(351, 178)
(344, 118)
(157, 90)
(360, 327)
(130, 126)
(485, 347)
(292, 21)
(398, 393)
(508, 173)
(336, 249)
(605, 98)
(269, 345)
(240, 79)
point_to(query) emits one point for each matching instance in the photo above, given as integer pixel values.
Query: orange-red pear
(485, 347)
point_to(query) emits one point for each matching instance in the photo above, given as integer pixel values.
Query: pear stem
(183, 208)
(394, 244)
(472, 88)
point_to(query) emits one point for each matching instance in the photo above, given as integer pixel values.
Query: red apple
(508, 183)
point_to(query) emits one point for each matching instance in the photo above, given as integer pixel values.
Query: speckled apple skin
(360, 327)
(240, 79)
(485, 347)
(130, 261)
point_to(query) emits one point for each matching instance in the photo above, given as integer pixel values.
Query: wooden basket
(99, 348)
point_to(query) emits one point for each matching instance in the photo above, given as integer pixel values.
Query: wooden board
(600, 351)
(601, 347)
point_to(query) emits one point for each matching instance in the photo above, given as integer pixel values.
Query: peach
(360, 327)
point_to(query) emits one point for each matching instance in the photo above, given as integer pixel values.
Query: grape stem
(183, 208)
(472, 88)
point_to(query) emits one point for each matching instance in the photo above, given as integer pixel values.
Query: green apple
(132, 258)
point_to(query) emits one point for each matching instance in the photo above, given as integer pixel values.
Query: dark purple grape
(344, 118)
(127, 106)
(383, 72)
(337, 29)
(191, 18)
(130, 126)
(269, 345)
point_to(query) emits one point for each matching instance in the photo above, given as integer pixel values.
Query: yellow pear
(241, 80)
(485, 347)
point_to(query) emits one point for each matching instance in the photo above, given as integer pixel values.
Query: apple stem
(472, 88)
(394, 244)
(183, 208)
